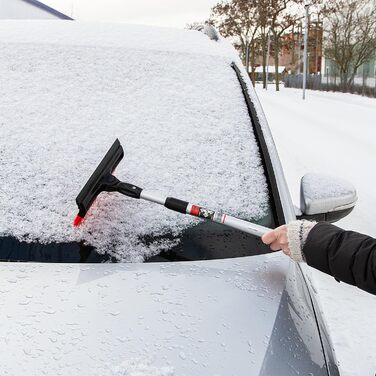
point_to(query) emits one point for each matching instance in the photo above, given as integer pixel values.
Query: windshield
(186, 132)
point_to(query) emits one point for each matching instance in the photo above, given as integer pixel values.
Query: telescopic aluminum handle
(185, 207)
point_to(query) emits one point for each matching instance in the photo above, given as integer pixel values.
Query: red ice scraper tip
(77, 221)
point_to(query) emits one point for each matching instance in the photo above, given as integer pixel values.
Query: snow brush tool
(103, 180)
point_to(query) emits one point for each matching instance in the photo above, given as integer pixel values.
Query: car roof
(106, 34)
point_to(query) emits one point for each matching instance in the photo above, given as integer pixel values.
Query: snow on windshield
(181, 118)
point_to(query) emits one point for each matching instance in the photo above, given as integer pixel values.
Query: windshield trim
(275, 200)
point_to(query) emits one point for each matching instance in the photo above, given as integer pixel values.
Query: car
(139, 290)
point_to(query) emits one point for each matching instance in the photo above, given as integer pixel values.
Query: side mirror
(326, 198)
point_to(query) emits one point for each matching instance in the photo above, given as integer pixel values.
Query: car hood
(222, 317)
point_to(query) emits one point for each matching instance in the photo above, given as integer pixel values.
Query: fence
(317, 82)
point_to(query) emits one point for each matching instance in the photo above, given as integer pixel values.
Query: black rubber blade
(94, 185)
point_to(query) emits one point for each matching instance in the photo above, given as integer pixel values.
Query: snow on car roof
(112, 35)
(180, 116)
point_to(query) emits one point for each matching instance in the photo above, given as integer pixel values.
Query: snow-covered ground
(334, 133)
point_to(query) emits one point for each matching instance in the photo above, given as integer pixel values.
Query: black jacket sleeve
(346, 255)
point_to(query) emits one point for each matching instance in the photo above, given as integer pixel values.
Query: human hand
(277, 240)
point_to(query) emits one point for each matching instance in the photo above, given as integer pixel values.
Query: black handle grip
(112, 184)
(129, 190)
(176, 205)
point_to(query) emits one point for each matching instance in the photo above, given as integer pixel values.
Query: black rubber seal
(176, 205)
(276, 203)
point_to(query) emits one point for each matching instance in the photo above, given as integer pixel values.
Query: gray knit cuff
(297, 233)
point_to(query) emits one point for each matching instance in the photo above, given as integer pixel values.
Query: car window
(186, 132)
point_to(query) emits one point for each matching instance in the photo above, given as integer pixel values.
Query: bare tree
(351, 37)
(284, 14)
(238, 19)
(263, 11)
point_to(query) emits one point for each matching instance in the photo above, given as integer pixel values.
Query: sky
(172, 13)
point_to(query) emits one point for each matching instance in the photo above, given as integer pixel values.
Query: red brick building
(292, 47)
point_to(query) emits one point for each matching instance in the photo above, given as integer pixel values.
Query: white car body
(236, 316)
